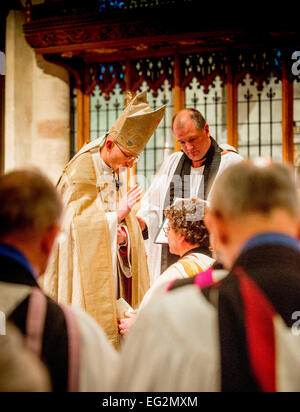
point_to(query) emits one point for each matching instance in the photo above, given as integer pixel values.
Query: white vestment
(98, 360)
(176, 271)
(152, 204)
(173, 346)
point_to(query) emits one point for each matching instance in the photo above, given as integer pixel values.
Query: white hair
(252, 187)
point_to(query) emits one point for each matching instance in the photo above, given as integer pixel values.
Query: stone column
(37, 106)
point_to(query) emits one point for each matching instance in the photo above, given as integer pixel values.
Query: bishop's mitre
(136, 124)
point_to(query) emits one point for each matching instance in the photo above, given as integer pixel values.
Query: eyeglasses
(166, 229)
(128, 157)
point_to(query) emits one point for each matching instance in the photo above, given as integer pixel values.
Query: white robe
(152, 204)
(165, 352)
(98, 360)
(175, 271)
(174, 346)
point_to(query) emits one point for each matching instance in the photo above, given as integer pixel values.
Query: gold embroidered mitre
(136, 124)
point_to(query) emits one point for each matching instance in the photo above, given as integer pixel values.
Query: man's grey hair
(29, 203)
(253, 187)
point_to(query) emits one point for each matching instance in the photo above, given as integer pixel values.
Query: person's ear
(180, 238)
(206, 129)
(217, 227)
(221, 228)
(48, 239)
(109, 144)
(208, 220)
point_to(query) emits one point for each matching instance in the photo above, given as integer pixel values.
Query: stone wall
(37, 101)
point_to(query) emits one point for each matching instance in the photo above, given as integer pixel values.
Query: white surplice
(173, 346)
(97, 362)
(152, 203)
(176, 271)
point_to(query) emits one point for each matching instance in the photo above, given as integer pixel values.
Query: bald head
(249, 199)
(252, 187)
(192, 133)
(185, 116)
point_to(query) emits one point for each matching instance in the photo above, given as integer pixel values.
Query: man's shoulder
(229, 157)
(81, 169)
(94, 144)
(54, 308)
(286, 256)
(259, 263)
(183, 303)
(170, 161)
(173, 156)
(82, 160)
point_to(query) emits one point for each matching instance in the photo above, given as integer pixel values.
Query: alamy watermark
(296, 65)
(179, 190)
(2, 63)
(2, 323)
(296, 325)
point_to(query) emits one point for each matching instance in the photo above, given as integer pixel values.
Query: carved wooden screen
(259, 119)
(204, 80)
(103, 111)
(105, 85)
(212, 105)
(161, 143)
(156, 76)
(258, 75)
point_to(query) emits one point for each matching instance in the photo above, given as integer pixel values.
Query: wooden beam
(129, 93)
(232, 110)
(79, 114)
(287, 116)
(179, 94)
(86, 118)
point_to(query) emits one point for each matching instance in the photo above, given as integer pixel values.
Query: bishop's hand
(128, 201)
